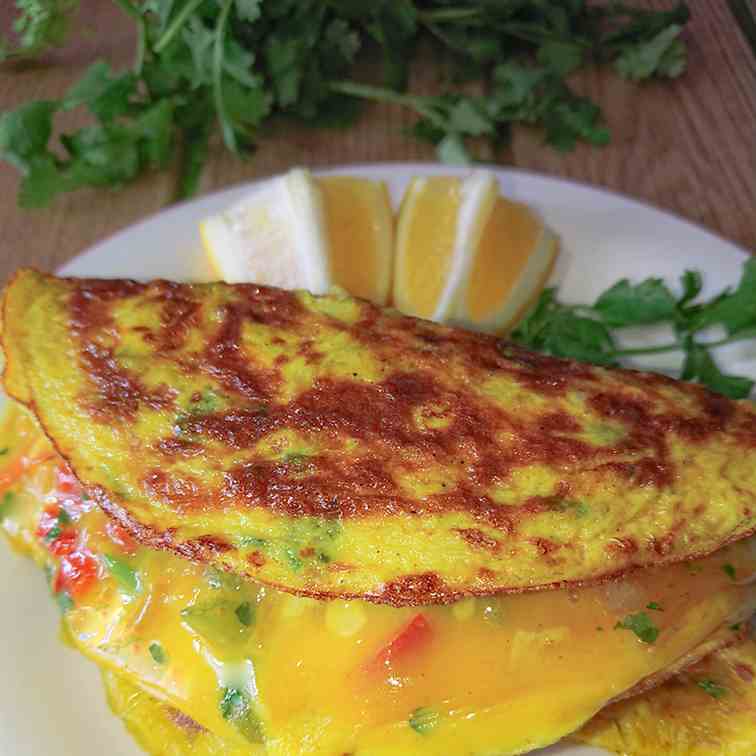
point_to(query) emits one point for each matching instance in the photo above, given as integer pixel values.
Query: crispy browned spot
(117, 393)
(415, 590)
(479, 539)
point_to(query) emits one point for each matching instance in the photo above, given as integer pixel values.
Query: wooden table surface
(687, 146)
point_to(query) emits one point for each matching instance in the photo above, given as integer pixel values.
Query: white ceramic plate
(52, 703)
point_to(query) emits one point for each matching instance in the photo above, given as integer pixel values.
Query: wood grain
(687, 146)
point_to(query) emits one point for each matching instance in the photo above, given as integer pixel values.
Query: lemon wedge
(360, 231)
(441, 221)
(512, 263)
(466, 255)
(274, 236)
(300, 232)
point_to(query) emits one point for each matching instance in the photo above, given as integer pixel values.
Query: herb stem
(678, 346)
(445, 15)
(131, 10)
(229, 137)
(380, 94)
(175, 25)
(675, 347)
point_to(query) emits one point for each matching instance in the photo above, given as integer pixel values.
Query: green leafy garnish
(6, 503)
(715, 690)
(641, 624)
(232, 66)
(578, 508)
(245, 613)
(423, 720)
(587, 332)
(729, 570)
(40, 25)
(61, 520)
(654, 606)
(663, 54)
(125, 575)
(247, 541)
(219, 579)
(64, 601)
(221, 621)
(157, 653)
(236, 706)
(4, 451)
(233, 703)
(209, 401)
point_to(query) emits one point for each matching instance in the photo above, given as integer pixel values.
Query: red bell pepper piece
(413, 637)
(77, 573)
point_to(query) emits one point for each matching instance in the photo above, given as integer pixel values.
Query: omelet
(710, 710)
(160, 729)
(331, 448)
(261, 669)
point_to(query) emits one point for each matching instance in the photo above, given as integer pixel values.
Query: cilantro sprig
(589, 332)
(640, 624)
(712, 688)
(231, 66)
(39, 25)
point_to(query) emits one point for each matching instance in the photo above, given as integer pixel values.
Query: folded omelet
(331, 448)
(262, 670)
(309, 525)
(709, 710)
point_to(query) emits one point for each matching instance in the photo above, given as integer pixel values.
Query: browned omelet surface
(329, 447)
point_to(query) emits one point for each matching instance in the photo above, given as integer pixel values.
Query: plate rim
(430, 168)
(403, 170)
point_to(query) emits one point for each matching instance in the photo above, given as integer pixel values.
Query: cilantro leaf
(561, 57)
(232, 65)
(106, 95)
(642, 625)
(452, 151)
(6, 504)
(25, 132)
(41, 183)
(157, 652)
(735, 310)
(692, 283)
(423, 720)
(700, 365)
(563, 331)
(663, 55)
(248, 10)
(715, 690)
(245, 613)
(626, 304)
(233, 704)
(125, 575)
(236, 707)
(583, 332)
(40, 25)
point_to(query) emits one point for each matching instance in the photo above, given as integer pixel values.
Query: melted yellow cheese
(503, 674)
